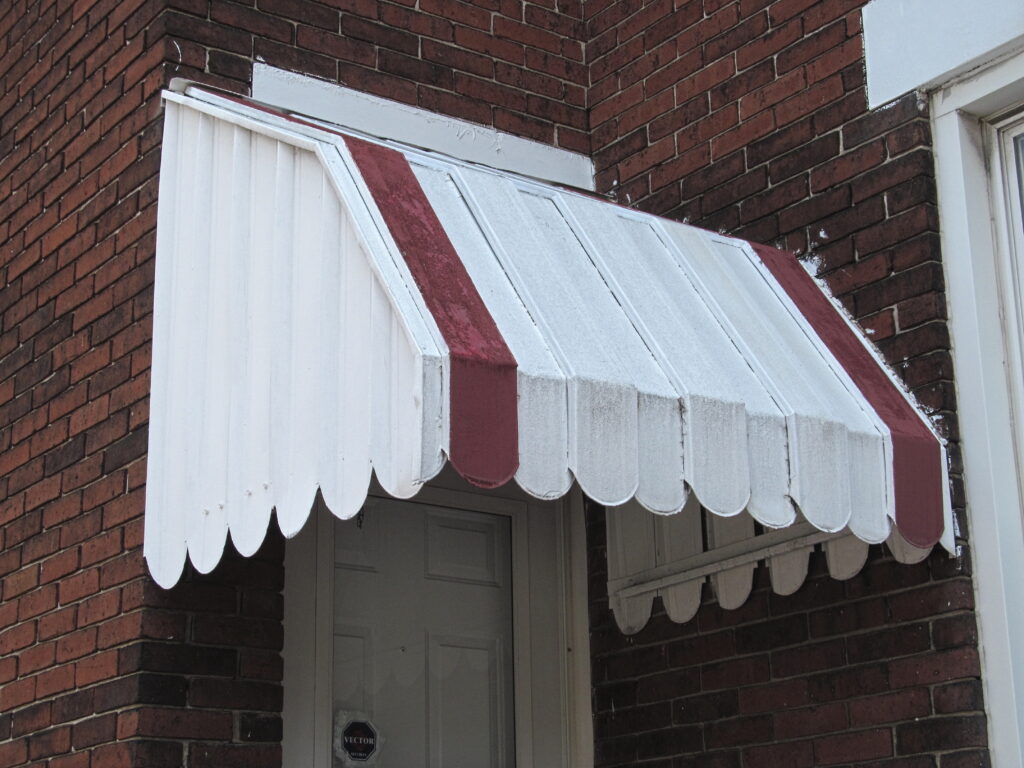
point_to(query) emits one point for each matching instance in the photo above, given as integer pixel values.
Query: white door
(423, 637)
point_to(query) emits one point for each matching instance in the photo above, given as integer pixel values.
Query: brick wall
(746, 116)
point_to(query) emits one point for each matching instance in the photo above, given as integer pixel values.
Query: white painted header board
(913, 44)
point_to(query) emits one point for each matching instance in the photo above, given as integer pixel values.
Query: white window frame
(541, 529)
(966, 116)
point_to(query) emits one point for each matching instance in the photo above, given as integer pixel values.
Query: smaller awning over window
(328, 306)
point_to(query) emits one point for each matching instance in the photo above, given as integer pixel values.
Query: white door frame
(553, 719)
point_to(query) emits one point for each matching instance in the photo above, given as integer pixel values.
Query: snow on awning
(328, 306)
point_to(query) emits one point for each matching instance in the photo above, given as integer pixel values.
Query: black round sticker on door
(359, 740)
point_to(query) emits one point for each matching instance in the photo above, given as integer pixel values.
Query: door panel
(464, 690)
(353, 669)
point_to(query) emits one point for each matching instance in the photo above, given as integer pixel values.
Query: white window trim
(963, 134)
(386, 119)
(309, 566)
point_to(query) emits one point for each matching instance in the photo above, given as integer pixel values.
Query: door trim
(552, 529)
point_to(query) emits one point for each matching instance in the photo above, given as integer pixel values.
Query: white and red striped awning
(329, 306)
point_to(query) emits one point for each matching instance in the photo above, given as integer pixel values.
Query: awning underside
(327, 307)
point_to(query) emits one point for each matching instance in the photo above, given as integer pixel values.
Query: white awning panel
(328, 306)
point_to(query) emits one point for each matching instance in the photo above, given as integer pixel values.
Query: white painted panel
(353, 684)
(678, 537)
(619, 399)
(904, 551)
(466, 725)
(164, 536)
(418, 127)
(913, 44)
(462, 548)
(732, 586)
(846, 556)
(631, 549)
(788, 571)
(359, 548)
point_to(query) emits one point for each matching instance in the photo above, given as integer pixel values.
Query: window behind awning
(329, 306)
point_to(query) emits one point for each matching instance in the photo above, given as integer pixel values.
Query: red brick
(37, 602)
(57, 623)
(92, 669)
(174, 723)
(853, 747)
(811, 721)
(78, 586)
(13, 752)
(29, 719)
(739, 731)
(909, 704)
(889, 643)
(735, 672)
(36, 657)
(937, 734)
(848, 682)
(810, 100)
(771, 94)
(703, 80)
(763, 48)
(745, 133)
(76, 645)
(938, 666)
(963, 696)
(251, 755)
(48, 743)
(793, 754)
(55, 680)
(667, 685)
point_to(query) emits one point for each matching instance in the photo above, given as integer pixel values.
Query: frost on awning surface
(328, 307)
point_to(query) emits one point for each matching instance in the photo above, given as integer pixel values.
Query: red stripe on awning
(917, 453)
(484, 437)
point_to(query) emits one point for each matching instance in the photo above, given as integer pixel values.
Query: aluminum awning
(328, 307)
